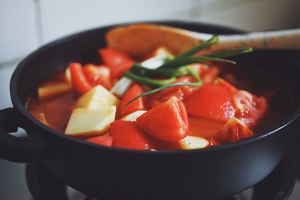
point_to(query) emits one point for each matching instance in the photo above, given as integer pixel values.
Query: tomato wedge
(204, 127)
(249, 108)
(79, 81)
(105, 140)
(98, 74)
(166, 121)
(180, 92)
(234, 130)
(126, 134)
(131, 93)
(118, 61)
(211, 101)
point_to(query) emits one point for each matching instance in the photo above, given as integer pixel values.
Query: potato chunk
(192, 142)
(51, 90)
(90, 121)
(96, 98)
(133, 116)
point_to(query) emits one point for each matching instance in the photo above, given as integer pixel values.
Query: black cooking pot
(113, 173)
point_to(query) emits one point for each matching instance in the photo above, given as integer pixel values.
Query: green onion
(182, 61)
(229, 53)
(194, 84)
(178, 67)
(139, 69)
(214, 39)
(149, 81)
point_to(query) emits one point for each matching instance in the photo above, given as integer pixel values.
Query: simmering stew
(160, 102)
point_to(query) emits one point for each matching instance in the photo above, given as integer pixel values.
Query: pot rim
(17, 104)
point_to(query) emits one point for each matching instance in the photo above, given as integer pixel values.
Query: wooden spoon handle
(285, 39)
(282, 39)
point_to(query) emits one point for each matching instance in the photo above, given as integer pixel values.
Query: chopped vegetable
(234, 130)
(96, 98)
(90, 121)
(116, 60)
(79, 81)
(121, 86)
(138, 104)
(204, 127)
(52, 90)
(98, 75)
(192, 142)
(166, 121)
(211, 101)
(250, 109)
(133, 116)
(105, 140)
(126, 134)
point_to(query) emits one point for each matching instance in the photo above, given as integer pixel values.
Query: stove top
(279, 185)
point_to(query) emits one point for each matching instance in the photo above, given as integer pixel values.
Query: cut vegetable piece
(234, 130)
(98, 74)
(134, 91)
(90, 121)
(192, 142)
(166, 121)
(250, 108)
(54, 89)
(157, 58)
(133, 116)
(204, 127)
(126, 134)
(79, 81)
(105, 140)
(121, 86)
(118, 61)
(97, 97)
(68, 77)
(180, 92)
(211, 101)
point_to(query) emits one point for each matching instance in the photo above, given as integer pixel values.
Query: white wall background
(26, 24)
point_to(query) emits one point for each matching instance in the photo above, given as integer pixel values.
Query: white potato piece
(133, 116)
(90, 121)
(97, 97)
(192, 142)
(51, 90)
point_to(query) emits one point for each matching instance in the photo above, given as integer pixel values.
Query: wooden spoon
(138, 40)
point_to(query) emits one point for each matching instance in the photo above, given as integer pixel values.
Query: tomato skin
(211, 101)
(233, 131)
(79, 81)
(250, 108)
(98, 74)
(105, 140)
(204, 127)
(131, 93)
(180, 92)
(118, 61)
(166, 121)
(126, 134)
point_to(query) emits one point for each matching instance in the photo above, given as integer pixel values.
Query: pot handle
(19, 149)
